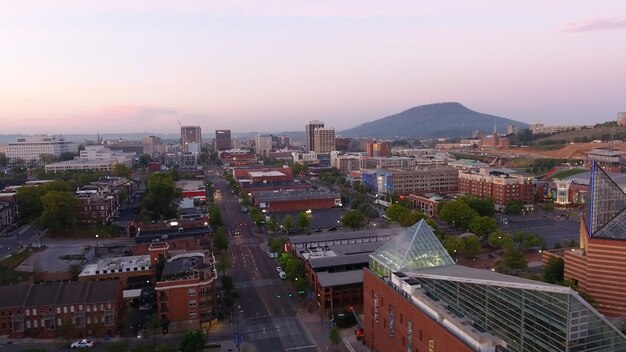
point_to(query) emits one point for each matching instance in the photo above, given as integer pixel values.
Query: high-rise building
(309, 129)
(191, 139)
(621, 118)
(323, 140)
(33, 147)
(375, 148)
(152, 146)
(223, 140)
(263, 144)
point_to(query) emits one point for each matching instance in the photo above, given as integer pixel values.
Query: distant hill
(442, 120)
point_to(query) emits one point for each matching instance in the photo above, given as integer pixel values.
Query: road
(266, 316)
(24, 236)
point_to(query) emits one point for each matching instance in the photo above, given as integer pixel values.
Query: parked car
(282, 275)
(279, 269)
(82, 344)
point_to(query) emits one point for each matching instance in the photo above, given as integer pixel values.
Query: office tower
(263, 144)
(323, 140)
(375, 149)
(152, 146)
(223, 140)
(191, 139)
(309, 129)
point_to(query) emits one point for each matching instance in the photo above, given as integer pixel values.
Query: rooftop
(266, 174)
(184, 264)
(264, 196)
(327, 279)
(117, 265)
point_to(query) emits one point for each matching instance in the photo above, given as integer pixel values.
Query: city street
(265, 315)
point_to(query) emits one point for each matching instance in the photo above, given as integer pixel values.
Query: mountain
(442, 120)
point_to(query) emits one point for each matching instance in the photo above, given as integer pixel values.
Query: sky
(146, 66)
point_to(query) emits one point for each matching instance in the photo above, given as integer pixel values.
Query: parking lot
(553, 227)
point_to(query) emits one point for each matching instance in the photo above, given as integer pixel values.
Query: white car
(82, 344)
(279, 269)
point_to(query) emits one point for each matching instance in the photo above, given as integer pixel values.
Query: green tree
(121, 170)
(272, 224)
(457, 214)
(29, 199)
(276, 244)
(59, 210)
(553, 271)
(471, 246)
(483, 226)
(220, 240)
(192, 341)
(334, 335)
(411, 218)
(525, 240)
(223, 263)
(287, 223)
(303, 221)
(162, 198)
(483, 206)
(513, 260)
(548, 207)
(396, 212)
(144, 160)
(215, 217)
(514, 208)
(353, 219)
(498, 239)
(453, 244)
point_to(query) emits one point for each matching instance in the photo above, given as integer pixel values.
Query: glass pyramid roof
(607, 207)
(416, 247)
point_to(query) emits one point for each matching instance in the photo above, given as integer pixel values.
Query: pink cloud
(594, 24)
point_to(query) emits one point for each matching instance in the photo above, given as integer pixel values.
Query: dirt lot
(569, 151)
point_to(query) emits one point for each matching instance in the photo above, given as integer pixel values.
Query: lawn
(567, 173)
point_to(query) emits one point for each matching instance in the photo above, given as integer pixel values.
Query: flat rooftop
(273, 196)
(190, 185)
(117, 265)
(266, 174)
(182, 265)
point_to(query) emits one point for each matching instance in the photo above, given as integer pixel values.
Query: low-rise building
(91, 308)
(296, 200)
(132, 271)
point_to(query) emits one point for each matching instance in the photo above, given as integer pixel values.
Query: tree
(395, 212)
(548, 207)
(121, 170)
(29, 199)
(483, 206)
(554, 269)
(276, 244)
(272, 224)
(223, 263)
(471, 246)
(162, 198)
(457, 214)
(303, 221)
(513, 260)
(287, 223)
(353, 219)
(220, 241)
(525, 240)
(514, 208)
(215, 217)
(144, 160)
(334, 335)
(59, 210)
(411, 218)
(453, 244)
(192, 341)
(483, 226)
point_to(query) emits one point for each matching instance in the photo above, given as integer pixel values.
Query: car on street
(82, 344)
(279, 269)
(282, 275)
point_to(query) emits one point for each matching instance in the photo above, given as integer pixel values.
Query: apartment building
(309, 139)
(499, 186)
(92, 308)
(223, 140)
(191, 139)
(187, 292)
(423, 180)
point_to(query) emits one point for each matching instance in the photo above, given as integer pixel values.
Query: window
(192, 292)
(193, 314)
(27, 312)
(192, 303)
(34, 311)
(58, 310)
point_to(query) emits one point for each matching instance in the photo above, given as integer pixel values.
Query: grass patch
(15, 259)
(567, 173)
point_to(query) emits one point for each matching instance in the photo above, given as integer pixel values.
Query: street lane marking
(300, 348)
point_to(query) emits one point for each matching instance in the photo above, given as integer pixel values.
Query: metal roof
(325, 262)
(327, 279)
(341, 235)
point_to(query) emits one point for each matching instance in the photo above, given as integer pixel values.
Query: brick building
(132, 271)
(239, 159)
(417, 299)
(40, 311)
(422, 180)
(8, 210)
(296, 200)
(499, 186)
(375, 149)
(187, 292)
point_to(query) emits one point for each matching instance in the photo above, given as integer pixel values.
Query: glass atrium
(525, 315)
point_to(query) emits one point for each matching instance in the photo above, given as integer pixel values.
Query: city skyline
(141, 66)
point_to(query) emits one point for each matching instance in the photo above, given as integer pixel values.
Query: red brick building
(296, 200)
(375, 149)
(239, 159)
(499, 186)
(410, 325)
(39, 311)
(187, 292)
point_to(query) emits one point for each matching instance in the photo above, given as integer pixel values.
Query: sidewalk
(318, 331)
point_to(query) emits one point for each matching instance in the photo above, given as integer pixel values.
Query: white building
(101, 153)
(263, 144)
(33, 147)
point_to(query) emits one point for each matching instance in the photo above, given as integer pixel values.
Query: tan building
(324, 140)
(436, 180)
